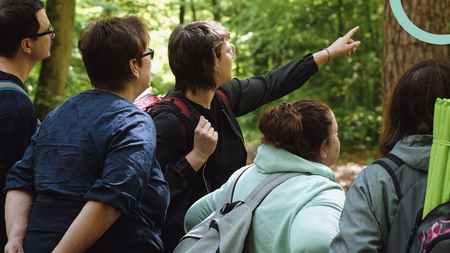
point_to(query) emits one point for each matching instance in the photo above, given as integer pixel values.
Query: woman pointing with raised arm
(200, 161)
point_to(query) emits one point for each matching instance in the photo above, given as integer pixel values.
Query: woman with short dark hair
(301, 214)
(201, 58)
(90, 182)
(407, 133)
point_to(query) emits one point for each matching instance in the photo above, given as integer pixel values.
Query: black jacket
(187, 185)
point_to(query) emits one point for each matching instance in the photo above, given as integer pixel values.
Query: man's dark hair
(108, 45)
(193, 50)
(17, 21)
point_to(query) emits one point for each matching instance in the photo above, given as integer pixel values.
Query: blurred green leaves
(267, 34)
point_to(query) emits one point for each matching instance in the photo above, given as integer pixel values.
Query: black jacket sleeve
(247, 95)
(169, 152)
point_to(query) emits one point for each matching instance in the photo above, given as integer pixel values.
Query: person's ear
(134, 69)
(25, 45)
(216, 62)
(217, 72)
(323, 149)
(216, 59)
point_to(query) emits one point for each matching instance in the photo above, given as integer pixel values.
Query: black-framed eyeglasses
(51, 31)
(150, 52)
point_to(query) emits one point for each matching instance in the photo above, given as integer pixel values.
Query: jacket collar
(414, 150)
(270, 159)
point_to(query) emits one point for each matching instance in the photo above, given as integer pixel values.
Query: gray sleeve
(368, 210)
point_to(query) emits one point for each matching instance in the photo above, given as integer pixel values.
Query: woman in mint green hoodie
(302, 214)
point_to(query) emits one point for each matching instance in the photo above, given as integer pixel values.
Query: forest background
(267, 34)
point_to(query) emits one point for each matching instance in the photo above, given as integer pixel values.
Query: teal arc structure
(405, 22)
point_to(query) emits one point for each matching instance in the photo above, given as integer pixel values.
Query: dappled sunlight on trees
(267, 34)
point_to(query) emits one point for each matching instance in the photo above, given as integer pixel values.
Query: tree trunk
(216, 10)
(194, 18)
(182, 11)
(400, 49)
(51, 89)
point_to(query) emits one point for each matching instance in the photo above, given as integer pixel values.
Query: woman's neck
(201, 97)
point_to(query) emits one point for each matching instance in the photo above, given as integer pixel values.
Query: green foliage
(267, 34)
(359, 127)
(271, 34)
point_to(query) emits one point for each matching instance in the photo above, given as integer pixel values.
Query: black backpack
(407, 231)
(148, 102)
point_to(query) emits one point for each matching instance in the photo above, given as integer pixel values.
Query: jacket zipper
(234, 128)
(208, 189)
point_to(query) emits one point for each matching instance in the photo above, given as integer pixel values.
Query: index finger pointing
(351, 32)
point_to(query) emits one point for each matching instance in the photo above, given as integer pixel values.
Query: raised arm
(251, 93)
(342, 46)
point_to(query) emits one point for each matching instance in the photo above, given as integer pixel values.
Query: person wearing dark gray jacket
(201, 58)
(372, 201)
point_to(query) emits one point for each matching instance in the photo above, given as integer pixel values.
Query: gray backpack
(225, 230)
(408, 232)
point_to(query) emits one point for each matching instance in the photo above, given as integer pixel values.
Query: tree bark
(216, 10)
(51, 89)
(182, 11)
(400, 49)
(194, 18)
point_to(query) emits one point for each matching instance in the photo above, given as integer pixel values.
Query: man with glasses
(26, 38)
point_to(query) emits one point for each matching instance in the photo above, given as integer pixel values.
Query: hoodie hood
(414, 150)
(270, 159)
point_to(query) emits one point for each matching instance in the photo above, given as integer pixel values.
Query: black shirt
(18, 120)
(229, 150)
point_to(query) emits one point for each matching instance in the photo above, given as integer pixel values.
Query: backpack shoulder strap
(175, 106)
(228, 196)
(265, 187)
(224, 96)
(9, 85)
(390, 163)
(258, 194)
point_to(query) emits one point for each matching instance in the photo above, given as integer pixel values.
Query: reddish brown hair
(299, 128)
(193, 49)
(108, 45)
(409, 108)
